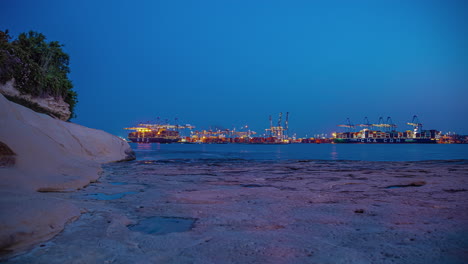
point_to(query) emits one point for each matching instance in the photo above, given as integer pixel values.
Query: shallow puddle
(253, 185)
(413, 184)
(164, 225)
(106, 197)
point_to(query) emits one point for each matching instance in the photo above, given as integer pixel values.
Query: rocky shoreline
(59, 206)
(41, 154)
(231, 211)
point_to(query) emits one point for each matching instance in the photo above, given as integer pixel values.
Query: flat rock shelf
(292, 211)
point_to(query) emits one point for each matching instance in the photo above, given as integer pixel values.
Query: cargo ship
(156, 133)
(389, 136)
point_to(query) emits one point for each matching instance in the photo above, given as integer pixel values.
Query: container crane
(380, 123)
(366, 123)
(278, 131)
(415, 123)
(390, 125)
(347, 125)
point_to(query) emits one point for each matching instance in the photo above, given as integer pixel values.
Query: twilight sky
(230, 63)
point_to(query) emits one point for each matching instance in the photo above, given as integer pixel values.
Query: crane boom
(348, 124)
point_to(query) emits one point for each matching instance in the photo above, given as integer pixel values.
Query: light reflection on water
(334, 154)
(367, 152)
(143, 146)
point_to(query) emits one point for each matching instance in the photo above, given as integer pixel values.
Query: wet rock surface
(163, 225)
(234, 211)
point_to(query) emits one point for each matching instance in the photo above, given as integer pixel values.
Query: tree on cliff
(39, 68)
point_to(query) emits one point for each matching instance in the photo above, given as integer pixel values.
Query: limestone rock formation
(44, 154)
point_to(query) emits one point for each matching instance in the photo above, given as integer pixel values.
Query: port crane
(388, 124)
(347, 125)
(279, 130)
(366, 123)
(380, 123)
(415, 123)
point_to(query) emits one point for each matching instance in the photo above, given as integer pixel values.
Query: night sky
(233, 63)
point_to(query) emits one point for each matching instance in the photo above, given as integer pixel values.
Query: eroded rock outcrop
(49, 155)
(56, 106)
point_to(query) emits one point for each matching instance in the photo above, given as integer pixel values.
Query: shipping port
(383, 132)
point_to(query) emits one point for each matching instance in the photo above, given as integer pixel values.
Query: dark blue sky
(231, 63)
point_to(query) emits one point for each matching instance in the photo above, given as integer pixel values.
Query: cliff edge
(40, 154)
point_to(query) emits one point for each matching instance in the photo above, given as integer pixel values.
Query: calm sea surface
(364, 152)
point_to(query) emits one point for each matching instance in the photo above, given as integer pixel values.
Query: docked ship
(156, 133)
(385, 132)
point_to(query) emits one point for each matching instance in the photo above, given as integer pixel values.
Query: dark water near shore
(364, 152)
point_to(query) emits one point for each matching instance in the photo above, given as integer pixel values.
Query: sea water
(330, 152)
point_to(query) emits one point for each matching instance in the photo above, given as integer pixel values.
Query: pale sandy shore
(268, 212)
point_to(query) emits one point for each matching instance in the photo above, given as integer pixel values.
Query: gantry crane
(415, 123)
(279, 130)
(366, 123)
(388, 124)
(348, 125)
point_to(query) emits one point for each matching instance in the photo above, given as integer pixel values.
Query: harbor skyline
(278, 132)
(233, 64)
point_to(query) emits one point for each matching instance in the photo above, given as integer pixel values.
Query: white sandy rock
(51, 155)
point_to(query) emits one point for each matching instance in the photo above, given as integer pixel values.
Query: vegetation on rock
(39, 68)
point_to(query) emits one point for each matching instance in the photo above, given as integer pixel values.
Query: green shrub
(39, 68)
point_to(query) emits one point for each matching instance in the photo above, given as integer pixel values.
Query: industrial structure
(383, 131)
(279, 132)
(220, 136)
(156, 133)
